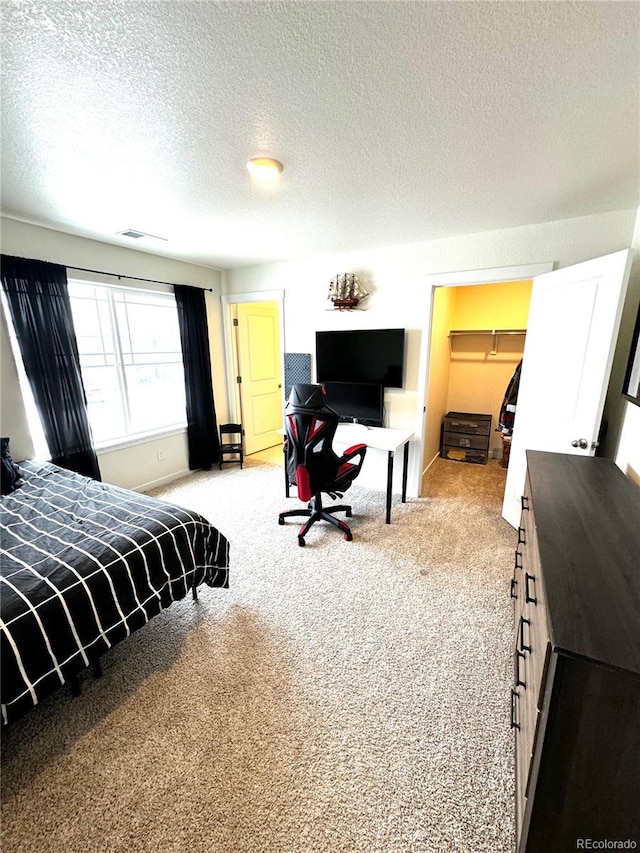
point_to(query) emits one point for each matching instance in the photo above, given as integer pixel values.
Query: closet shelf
(493, 333)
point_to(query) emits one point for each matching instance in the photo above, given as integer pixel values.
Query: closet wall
(465, 374)
(439, 370)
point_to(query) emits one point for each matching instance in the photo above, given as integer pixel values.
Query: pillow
(10, 472)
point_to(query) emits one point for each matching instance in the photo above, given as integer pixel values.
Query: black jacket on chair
(312, 465)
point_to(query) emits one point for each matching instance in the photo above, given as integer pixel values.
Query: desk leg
(405, 460)
(286, 475)
(389, 485)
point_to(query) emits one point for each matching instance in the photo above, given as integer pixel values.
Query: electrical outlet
(160, 455)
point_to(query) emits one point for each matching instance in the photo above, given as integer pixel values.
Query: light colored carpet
(345, 696)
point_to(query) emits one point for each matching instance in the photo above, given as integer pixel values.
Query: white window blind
(131, 359)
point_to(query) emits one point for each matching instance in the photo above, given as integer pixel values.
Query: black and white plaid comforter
(83, 565)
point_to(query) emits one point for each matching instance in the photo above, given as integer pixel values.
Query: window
(131, 359)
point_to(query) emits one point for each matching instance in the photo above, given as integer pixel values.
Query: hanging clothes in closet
(508, 408)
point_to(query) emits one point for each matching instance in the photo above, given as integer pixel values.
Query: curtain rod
(119, 275)
(138, 278)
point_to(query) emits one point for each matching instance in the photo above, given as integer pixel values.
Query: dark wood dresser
(575, 703)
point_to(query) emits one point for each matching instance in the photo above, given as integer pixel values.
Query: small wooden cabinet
(466, 437)
(575, 702)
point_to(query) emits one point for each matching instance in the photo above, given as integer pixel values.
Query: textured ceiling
(397, 122)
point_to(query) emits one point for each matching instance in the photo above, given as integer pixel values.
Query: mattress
(84, 564)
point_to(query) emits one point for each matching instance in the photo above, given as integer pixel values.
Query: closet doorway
(566, 365)
(477, 341)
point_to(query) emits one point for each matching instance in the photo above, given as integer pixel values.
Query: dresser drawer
(465, 454)
(457, 439)
(470, 424)
(531, 613)
(532, 648)
(575, 699)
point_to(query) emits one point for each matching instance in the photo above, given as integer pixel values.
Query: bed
(82, 566)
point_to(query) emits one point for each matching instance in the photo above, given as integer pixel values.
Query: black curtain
(39, 304)
(202, 427)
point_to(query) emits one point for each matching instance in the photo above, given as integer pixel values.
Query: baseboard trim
(437, 456)
(161, 481)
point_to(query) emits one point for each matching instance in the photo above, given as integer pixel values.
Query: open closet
(478, 334)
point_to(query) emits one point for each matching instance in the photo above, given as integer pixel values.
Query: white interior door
(260, 372)
(571, 336)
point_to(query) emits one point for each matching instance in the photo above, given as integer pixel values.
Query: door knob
(582, 443)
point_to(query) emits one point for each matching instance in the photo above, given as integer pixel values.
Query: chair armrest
(350, 452)
(347, 471)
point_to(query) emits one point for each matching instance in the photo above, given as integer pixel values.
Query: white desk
(380, 438)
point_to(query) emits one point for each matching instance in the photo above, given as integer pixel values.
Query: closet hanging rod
(495, 334)
(455, 332)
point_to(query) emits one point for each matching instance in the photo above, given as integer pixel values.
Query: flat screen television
(367, 356)
(356, 402)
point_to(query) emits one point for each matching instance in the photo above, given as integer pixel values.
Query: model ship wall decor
(346, 291)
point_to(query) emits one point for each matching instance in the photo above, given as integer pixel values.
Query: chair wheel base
(315, 512)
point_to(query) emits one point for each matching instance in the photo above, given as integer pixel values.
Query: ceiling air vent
(136, 235)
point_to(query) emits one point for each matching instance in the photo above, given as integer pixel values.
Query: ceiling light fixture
(265, 168)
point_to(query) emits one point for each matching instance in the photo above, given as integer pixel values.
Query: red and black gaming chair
(311, 463)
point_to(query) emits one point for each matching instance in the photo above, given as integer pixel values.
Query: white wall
(395, 276)
(628, 453)
(137, 466)
(439, 371)
(622, 442)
